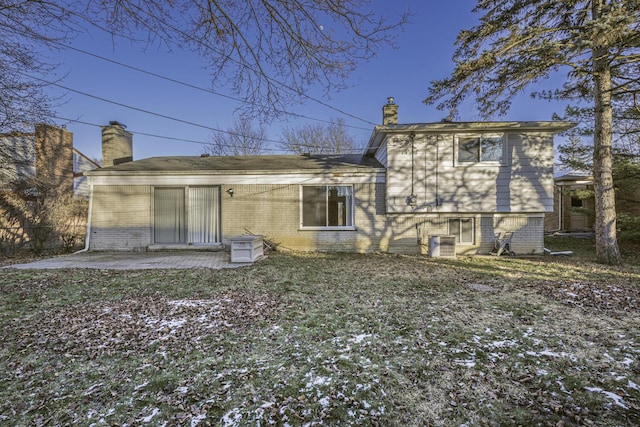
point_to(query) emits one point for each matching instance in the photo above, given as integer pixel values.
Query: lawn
(325, 339)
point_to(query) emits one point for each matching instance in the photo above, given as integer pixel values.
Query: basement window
(483, 148)
(462, 228)
(326, 207)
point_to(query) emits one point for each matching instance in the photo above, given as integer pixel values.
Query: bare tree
(26, 26)
(269, 52)
(241, 139)
(319, 138)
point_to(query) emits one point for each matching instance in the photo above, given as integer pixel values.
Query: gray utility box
(246, 248)
(442, 246)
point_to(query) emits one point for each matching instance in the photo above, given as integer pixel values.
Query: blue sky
(424, 51)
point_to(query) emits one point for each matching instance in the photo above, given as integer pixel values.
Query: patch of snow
(182, 390)
(469, 363)
(503, 343)
(627, 361)
(173, 324)
(325, 401)
(232, 418)
(618, 400)
(139, 386)
(550, 353)
(633, 385)
(562, 387)
(196, 420)
(149, 417)
(317, 381)
(357, 339)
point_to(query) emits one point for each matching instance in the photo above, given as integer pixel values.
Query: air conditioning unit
(442, 246)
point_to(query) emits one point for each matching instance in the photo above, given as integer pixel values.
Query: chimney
(390, 113)
(117, 144)
(54, 158)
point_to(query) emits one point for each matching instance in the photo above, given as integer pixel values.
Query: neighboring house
(414, 181)
(46, 154)
(572, 211)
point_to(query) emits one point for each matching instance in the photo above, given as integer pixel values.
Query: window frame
(478, 156)
(350, 212)
(459, 233)
(188, 230)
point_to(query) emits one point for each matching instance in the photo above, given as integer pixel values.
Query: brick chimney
(390, 112)
(117, 144)
(54, 158)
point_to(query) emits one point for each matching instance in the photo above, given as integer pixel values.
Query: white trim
(291, 179)
(351, 227)
(473, 228)
(186, 214)
(502, 162)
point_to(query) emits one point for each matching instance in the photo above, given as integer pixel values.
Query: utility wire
(189, 85)
(285, 86)
(356, 150)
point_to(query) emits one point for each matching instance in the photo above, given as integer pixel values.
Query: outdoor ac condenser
(442, 246)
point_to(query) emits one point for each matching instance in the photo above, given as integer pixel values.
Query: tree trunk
(607, 251)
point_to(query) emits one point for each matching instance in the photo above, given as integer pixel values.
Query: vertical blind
(169, 218)
(182, 216)
(203, 215)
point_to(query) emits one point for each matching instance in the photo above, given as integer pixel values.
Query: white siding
(522, 183)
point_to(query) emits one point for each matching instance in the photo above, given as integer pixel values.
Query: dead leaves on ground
(134, 326)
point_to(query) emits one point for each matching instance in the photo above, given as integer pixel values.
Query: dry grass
(324, 339)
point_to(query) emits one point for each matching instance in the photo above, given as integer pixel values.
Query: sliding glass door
(186, 215)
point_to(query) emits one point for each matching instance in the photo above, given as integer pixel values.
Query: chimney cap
(116, 123)
(390, 100)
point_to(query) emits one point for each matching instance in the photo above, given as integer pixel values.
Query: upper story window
(480, 148)
(327, 206)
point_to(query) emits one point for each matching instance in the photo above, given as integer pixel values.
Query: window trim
(351, 227)
(478, 162)
(473, 230)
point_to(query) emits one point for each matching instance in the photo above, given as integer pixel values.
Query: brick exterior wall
(54, 159)
(274, 211)
(121, 218)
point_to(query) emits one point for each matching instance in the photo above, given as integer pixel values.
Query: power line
(191, 141)
(189, 85)
(285, 86)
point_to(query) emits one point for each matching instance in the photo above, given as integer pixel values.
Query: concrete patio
(135, 261)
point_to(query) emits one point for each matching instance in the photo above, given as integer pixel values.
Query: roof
(379, 132)
(274, 164)
(573, 175)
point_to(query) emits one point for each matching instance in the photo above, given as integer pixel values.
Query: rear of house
(413, 182)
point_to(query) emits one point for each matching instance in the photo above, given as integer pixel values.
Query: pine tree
(594, 44)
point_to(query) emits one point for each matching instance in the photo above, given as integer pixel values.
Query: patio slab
(135, 261)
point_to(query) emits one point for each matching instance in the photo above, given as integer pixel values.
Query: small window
(462, 228)
(576, 202)
(480, 148)
(327, 206)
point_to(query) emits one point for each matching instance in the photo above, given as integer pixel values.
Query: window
(186, 215)
(576, 202)
(327, 206)
(462, 228)
(480, 148)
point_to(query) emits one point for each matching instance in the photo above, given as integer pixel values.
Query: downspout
(87, 237)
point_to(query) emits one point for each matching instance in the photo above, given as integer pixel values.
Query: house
(43, 194)
(47, 155)
(574, 205)
(469, 180)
